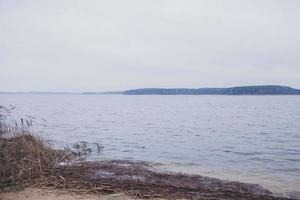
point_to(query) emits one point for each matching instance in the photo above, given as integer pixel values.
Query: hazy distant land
(244, 90)
(241, 90)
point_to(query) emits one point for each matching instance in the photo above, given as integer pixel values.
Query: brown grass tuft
(24, 157)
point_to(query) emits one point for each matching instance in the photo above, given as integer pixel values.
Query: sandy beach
(40, 194)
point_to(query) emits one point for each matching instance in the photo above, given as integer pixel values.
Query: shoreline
(236, 176)
(27, 161)
(138, 179)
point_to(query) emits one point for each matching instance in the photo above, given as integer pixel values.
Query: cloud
(69, 45)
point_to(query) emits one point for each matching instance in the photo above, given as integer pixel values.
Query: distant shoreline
(240, 90)
(243, 90)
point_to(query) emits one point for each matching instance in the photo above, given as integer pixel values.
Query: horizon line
(121, 91)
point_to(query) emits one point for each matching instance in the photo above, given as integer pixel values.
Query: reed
(24, 157)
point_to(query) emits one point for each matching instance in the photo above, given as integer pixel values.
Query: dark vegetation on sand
(28, 161)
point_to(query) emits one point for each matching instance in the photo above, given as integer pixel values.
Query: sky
(112, 45)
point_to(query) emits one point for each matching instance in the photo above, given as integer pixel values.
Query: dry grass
(24, 157)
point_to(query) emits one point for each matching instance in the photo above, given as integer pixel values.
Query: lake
(254, 139)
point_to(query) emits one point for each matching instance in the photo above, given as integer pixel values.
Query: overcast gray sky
(94, 45)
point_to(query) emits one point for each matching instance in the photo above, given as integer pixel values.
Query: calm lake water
(253, 139)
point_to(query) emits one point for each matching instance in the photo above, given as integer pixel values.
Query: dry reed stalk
(24, 157)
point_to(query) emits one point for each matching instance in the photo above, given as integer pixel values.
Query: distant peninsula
(243, 90)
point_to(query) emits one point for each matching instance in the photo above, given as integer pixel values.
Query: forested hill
(244, 90)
